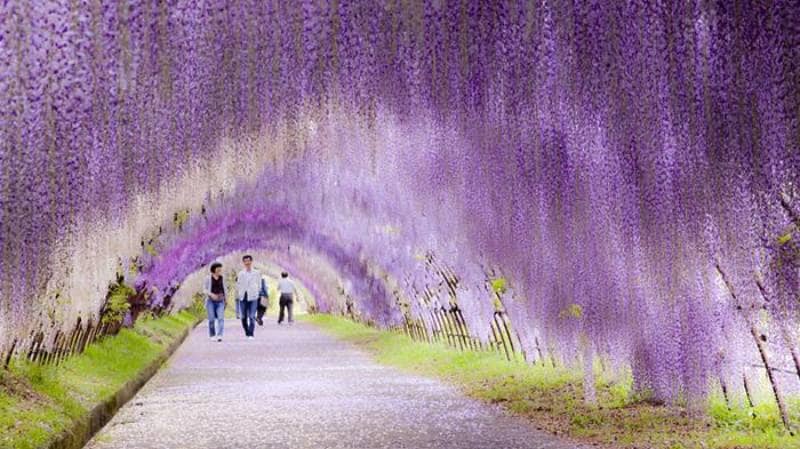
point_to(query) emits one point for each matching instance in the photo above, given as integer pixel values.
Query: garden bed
(62, 406)
(552, 398)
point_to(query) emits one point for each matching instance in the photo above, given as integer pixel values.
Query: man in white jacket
(250, 287)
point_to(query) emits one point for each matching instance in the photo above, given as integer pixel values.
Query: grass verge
(38, 403)
(552, 398)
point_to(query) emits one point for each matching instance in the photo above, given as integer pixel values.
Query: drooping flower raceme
(631, 170)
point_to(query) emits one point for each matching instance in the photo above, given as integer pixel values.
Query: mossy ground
(552, 398)
(39, 402)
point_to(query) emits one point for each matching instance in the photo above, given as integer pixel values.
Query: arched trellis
(431, 314)
(264, 228)
(206, 238)
(595, 186)
(274, 229)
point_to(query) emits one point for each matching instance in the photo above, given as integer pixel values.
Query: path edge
(83, 429)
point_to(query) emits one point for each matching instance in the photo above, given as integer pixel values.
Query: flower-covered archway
(630, 171)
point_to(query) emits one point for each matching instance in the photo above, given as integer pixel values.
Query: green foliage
(572, 311)
(499, 285)
(117, 305)
(198, 306)
(180, 218)
(145, 316)
(553, 397)
(150, 248)
(763, 418)
(37, 402)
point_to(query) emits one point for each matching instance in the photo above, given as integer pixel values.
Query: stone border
(83, 429)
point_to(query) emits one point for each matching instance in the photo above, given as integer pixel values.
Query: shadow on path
(297, 387)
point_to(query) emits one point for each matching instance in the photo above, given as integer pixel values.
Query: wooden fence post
(48, 356)
(7, 361)
(413, 332)
(457, 327)
(60, 348)
(759, 340)
(539, 349)
(747, 393)
(437, 332)
(31, 346)
(37, 345)
(502, 337)
(425, 331)
(462, 328)
(78, 333)
(724, 388)
(87, 335)
(468, 341)
(452, 339)
(789, 342)
(497, 339)
(506, 320)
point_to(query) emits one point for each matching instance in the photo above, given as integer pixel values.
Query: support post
(7, 361)
(759, 341)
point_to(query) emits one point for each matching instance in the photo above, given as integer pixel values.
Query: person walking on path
(262, 305)
(214, 289)
(250, 287)
(287, 292)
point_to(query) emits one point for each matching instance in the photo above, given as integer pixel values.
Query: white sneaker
(251, 338)
(212, 338)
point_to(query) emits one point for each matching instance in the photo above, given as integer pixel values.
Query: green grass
(553, 397)
(38, 402)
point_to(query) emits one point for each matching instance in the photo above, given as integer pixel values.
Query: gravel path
(296, 387)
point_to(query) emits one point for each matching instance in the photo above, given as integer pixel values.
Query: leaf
(499, 285)
(572, 311)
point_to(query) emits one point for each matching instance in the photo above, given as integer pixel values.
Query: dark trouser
(286, 303)
(260, 313)
(249, 317)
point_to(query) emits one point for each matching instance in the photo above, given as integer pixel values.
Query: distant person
(249, 287)
(287, 291)
(263, 304)
(214, 289)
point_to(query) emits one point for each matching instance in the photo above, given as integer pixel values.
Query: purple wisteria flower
(631, 170)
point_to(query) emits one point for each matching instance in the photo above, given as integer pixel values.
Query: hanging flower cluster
(631, 169)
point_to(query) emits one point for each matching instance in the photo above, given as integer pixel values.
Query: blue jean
(216, 317)
(248, 314)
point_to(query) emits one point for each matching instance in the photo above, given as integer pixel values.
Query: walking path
(296, 387)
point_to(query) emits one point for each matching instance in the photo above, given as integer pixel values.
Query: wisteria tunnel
(575, 183)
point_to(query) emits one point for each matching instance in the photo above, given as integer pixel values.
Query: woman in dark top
(214, 289)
